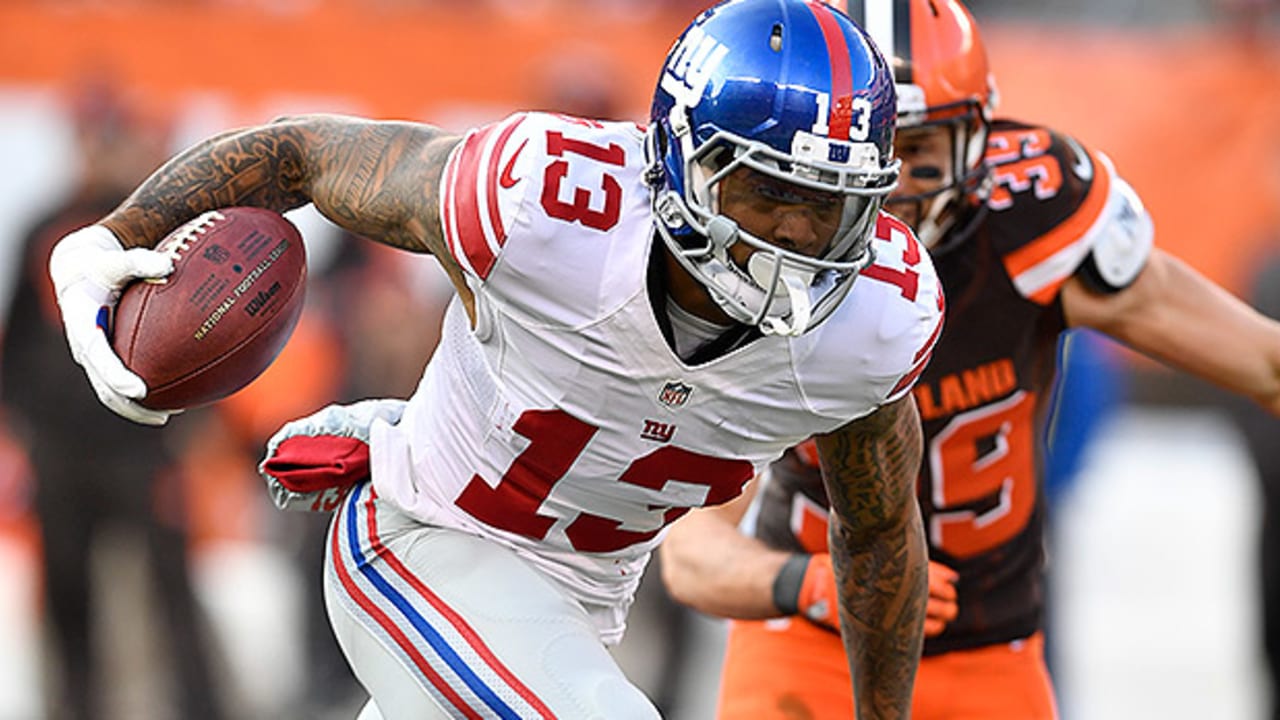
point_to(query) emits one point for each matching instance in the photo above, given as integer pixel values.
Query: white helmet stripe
(888, 22)
(879, 25)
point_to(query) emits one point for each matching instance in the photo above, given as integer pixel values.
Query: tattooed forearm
(261, 167)
(878, 551)
(374, 179)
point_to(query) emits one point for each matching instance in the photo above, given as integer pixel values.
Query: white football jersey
(563, 426)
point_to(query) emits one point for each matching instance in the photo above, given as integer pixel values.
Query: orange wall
(399, 61)
(1192, 120)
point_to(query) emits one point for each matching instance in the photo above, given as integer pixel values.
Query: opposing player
(644, 321)
(1032, 234)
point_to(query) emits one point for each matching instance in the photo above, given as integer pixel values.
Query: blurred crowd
(391, 6)
(1248, 15)
(93, 478)
(1135, 10)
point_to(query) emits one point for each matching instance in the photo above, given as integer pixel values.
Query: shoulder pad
(1125, 236)
(1059, 210)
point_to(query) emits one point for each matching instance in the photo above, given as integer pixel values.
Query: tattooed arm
(380, 180)
(878, 552)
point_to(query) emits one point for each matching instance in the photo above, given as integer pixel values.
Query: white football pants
(436, 623)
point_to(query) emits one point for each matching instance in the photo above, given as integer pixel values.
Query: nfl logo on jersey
(674, 394)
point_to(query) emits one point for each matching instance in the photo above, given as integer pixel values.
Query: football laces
(188, 233)
(184, 237)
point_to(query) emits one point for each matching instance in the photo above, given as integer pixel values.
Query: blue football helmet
(791, 89)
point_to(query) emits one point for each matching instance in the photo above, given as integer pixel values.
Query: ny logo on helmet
(691, 65)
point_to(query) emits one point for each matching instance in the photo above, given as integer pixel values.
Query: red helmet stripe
(841, 73)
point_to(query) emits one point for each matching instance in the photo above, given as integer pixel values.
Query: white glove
(88, 268)
(312, 462)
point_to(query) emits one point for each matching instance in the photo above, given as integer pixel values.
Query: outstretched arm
(377, 179)
(878, 552)
(1177, 316)
(710, 566)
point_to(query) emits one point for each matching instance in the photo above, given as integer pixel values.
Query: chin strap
(795, 284)
(740, 294)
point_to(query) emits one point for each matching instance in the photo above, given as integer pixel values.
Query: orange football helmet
(940, 68)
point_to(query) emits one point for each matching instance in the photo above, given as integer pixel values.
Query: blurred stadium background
(1155, 601)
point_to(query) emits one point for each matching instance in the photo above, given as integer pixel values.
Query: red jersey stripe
(925, 353)
(491, 185)
(913, 375)
(466, 204)
(446, 204)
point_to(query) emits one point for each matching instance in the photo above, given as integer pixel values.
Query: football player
(1032, 233)
(644, 320)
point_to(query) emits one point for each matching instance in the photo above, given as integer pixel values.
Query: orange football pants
(789, 669)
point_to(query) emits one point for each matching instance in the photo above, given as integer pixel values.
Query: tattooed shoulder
(382, 180)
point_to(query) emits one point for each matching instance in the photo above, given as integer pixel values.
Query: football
(216, 323)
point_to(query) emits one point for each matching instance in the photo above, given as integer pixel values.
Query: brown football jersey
(984, 395)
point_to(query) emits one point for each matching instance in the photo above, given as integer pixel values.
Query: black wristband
(787, 584)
